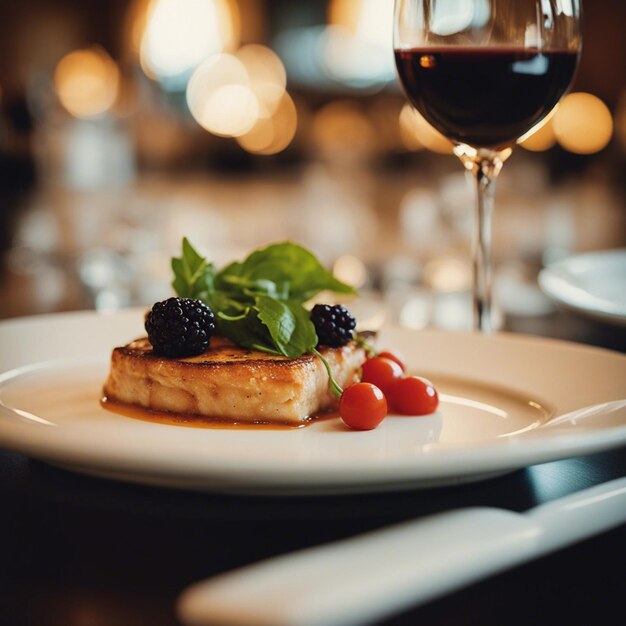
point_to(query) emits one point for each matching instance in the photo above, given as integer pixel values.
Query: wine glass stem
(481, 251)
(485, 167)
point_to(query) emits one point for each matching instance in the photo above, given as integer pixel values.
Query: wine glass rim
(493, 46)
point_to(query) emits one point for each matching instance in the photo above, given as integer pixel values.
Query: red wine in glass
(483, 73)
(484, 96)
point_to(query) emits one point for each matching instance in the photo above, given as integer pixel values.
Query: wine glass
(483, 73)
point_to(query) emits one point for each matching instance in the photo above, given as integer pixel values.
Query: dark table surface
(78, 551)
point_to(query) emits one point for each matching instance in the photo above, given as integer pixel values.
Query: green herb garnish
(259, 302)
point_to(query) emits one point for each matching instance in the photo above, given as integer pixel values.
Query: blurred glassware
(517, 291)
(108, 277)
(349, 53)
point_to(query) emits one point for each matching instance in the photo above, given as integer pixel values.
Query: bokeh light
(358, 40)
(541, 137)
(266, 73)
(272, 134)
(384, 112)
(180, 34)
(342, 128)
(408, 133)
(87, 82)
(369, 20)
(230, 110)
(416, 132)
(219, 96)
(135, 24)
(351, 270)
(448, 274)
(243, 95)
(583, 123)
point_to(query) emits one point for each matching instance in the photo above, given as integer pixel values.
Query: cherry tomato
(414, 396)
(362, 406)
(381, 372)
(392, 355)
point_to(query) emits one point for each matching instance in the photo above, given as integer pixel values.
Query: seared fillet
(229, 382)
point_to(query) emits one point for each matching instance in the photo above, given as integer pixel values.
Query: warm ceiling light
(86, 82)
(344, 13)
(369, 20)
(180, 34)
(229, 111)
(243, 95)
(357, 41)
(219, 96)
(583, 124)
(266, 73)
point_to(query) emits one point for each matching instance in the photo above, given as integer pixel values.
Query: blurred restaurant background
(128, 124)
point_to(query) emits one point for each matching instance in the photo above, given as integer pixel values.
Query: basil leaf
(295, 271)
(221, 302)
(289, 325)
(227, 278)
(252, 288)
(304, 337)
(180, 284)
(193, 275)
(247, 331)
(280, 322)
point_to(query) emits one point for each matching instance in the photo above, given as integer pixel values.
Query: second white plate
(593, 284)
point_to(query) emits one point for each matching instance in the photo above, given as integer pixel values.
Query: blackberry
(180, 327)
(333, 324)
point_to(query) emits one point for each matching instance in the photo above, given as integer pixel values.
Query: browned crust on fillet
(229, 382)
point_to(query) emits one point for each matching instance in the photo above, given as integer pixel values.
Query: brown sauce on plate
(200, 421)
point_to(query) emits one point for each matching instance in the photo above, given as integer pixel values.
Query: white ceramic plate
(507, 402)
(593, 284)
